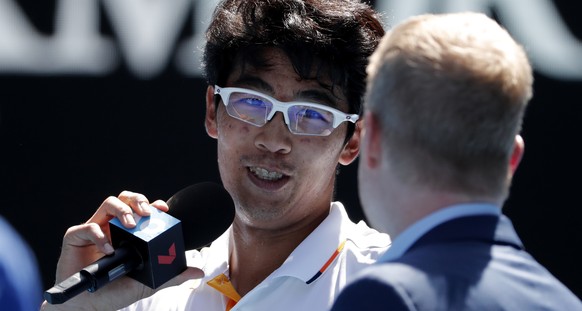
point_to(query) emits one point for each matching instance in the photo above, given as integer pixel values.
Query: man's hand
(86, 243)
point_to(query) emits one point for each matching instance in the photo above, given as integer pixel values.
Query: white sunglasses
(302, 118)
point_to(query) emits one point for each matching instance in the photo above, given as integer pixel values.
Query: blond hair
(450, 91)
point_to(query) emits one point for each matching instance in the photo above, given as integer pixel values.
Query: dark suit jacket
(468, 263)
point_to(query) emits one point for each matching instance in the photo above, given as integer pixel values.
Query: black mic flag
(154, 250)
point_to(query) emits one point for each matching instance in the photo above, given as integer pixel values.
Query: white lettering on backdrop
(147, 35)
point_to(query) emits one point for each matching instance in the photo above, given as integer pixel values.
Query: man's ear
(516, 155)
(372, 141)
(352, 146)
(210, 119)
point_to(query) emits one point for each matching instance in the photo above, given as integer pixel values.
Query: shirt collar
(410, 235)
(317, 248)
(307, 258)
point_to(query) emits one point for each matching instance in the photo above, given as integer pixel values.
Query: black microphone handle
(124, 260)
(108, 268)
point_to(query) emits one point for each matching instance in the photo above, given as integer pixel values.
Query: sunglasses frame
(283, 107)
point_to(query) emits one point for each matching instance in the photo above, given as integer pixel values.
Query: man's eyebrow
(320, 97)
(255, 82)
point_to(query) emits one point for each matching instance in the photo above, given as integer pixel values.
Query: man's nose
(275, 135)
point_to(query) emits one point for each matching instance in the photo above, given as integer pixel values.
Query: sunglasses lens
(250, 108)
(310, 120)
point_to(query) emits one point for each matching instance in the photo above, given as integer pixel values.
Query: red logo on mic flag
(168, 259)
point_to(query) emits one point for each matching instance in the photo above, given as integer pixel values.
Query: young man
(445, 103)
(285, 84)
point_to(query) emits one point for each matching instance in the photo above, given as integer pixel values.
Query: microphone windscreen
(205, 209)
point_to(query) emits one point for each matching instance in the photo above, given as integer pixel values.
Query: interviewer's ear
(518, 150)
(372, 141)
(210, 119)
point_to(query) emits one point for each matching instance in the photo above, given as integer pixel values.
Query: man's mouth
(265, 174)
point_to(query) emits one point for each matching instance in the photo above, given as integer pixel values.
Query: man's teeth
(265, 174)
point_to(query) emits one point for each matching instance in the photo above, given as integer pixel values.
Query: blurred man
(20, 288)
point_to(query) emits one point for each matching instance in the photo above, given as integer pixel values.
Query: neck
(402, 206)
(255, 252)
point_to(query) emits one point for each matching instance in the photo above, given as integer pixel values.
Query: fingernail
(108, 248)
(129, 219)
(145, 207)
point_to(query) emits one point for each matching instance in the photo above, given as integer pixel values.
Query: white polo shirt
(310, 278)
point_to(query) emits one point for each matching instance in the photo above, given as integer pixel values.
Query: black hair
(334, 37)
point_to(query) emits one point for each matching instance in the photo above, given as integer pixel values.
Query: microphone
(154, 250)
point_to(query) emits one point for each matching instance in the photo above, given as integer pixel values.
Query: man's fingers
(161, 205)
(87, 234)
(110, 208)
(137, 201)
(121, 207)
